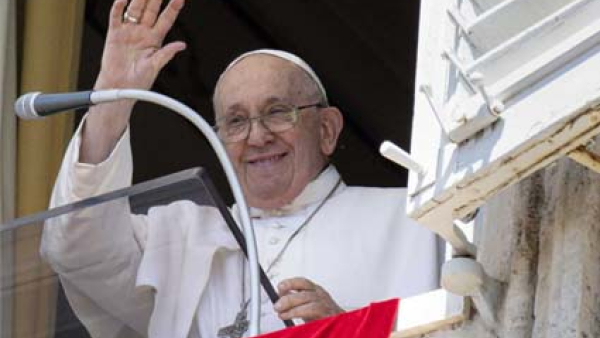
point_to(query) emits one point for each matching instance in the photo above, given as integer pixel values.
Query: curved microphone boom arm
(27, 107)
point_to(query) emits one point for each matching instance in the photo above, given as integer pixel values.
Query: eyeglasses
(276, 118)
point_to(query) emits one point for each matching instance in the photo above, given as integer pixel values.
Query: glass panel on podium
(32, 301)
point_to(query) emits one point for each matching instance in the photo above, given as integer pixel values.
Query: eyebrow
(273, 99)
(235, 107)
(268, 101)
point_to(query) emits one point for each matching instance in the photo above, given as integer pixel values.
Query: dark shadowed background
(364, 53)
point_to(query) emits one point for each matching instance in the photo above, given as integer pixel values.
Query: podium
(29, 279)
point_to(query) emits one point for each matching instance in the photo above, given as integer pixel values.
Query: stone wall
(541, 239)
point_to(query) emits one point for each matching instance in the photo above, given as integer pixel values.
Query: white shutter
(503, 89)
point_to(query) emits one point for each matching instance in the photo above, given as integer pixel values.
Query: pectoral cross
(238, 328)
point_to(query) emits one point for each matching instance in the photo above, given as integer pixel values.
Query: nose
(258, 134)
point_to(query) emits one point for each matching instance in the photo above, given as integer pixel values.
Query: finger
(136, 8)
(295, 284)
(151, 12)
(116, 14)
(307, 312)
(288, 302)
(167, 53)
(167, 17)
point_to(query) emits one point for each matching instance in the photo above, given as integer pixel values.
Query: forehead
(258, 79)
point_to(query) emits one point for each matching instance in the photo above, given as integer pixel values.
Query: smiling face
(274, 168)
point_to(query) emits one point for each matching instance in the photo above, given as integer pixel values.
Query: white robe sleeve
(97, 251)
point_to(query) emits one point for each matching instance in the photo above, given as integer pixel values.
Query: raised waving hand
(134, 53)
(133, 56)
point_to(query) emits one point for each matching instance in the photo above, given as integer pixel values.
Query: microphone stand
(208, 132)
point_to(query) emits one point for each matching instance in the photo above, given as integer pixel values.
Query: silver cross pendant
(238, 328)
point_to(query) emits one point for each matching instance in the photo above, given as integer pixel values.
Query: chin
(267, 198)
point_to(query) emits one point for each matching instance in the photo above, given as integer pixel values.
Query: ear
(332, 123)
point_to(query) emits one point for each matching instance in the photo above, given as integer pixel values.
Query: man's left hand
(301, 298)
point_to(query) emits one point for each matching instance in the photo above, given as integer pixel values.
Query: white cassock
(177, 271)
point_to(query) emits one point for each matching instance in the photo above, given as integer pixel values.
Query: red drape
(373, 321)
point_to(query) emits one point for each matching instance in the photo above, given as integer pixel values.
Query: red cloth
(373, 321)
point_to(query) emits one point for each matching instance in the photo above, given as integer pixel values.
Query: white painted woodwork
(586, 158)
(566, 28)
(507, 19)
(429, 312)
(397, 155)
(484, 5)
(542, 68)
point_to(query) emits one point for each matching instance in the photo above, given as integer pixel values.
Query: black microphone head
(24, 106)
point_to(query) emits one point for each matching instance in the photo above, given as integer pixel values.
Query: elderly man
(177, 272)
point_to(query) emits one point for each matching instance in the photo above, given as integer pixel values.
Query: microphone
(36, 105)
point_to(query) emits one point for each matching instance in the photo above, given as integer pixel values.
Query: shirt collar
(315, 191)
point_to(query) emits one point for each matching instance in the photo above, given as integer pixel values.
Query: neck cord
(277, 258)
